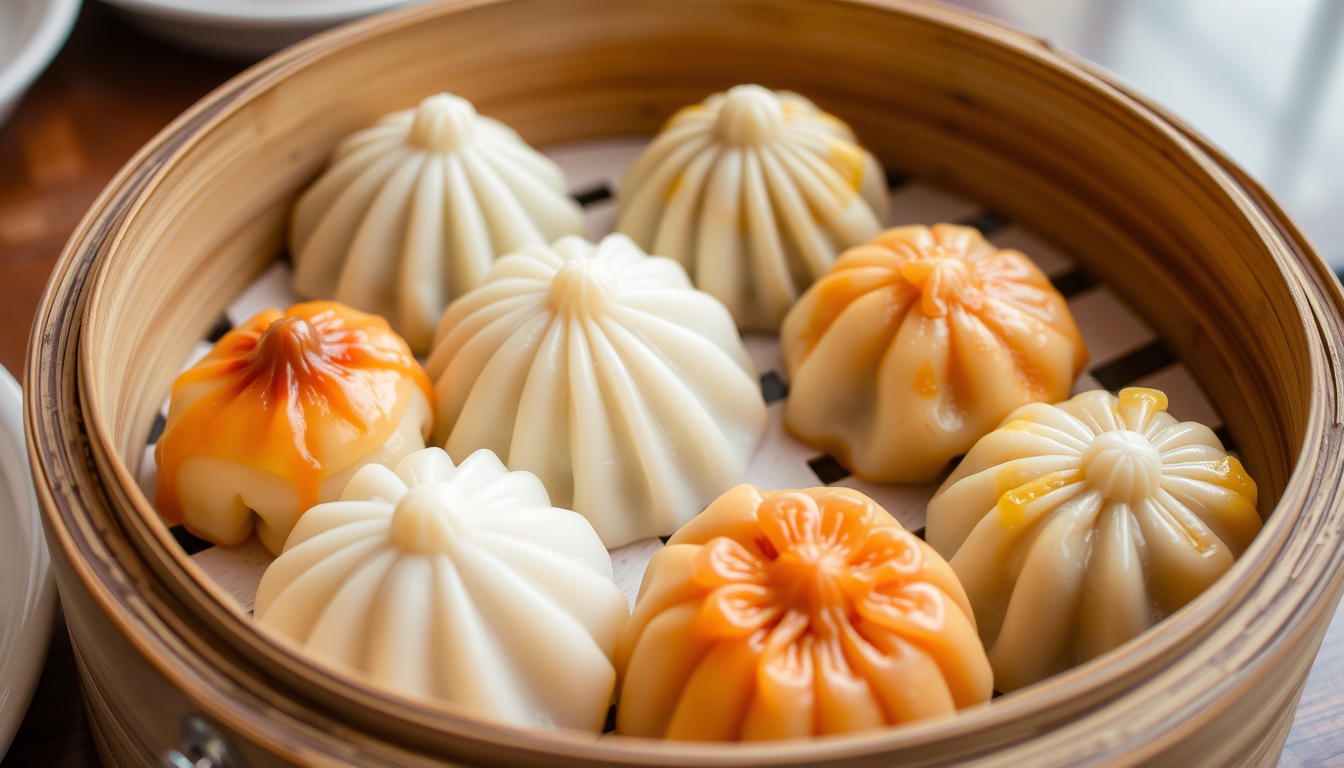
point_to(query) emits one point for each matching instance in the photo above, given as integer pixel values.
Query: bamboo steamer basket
(1198, 248)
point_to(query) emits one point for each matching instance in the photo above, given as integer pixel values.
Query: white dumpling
(1075, 527)
(412, 212)
(461, 584)
(604, 372)
(754, 192)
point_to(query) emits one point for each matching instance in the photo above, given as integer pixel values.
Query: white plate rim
(256, 12)
(22, 665)
(58, 19)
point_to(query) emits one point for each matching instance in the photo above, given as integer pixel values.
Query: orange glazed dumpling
(913, 346)
(791, 614)
(281, 414)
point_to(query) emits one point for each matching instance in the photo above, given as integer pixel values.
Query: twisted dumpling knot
(443, 123)
(749, 114)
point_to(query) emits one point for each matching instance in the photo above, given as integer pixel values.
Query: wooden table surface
(110, 90)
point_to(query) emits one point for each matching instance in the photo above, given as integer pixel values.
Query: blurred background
(1261, 78)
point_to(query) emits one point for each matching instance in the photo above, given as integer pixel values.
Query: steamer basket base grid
(1124, 350)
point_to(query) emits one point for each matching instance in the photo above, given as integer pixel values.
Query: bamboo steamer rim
(78, 285)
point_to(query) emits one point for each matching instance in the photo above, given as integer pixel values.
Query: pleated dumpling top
(602, 370)
(917, 344)
(1075, 527)
(460, 584)
(279, 416)
(412, 212)
(755, 192)
(791, 614)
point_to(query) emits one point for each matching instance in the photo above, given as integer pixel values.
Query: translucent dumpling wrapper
(604, 372)
(917, 344)
(790, 614)
(1075, 527)
(412, 212)
(455, 584)
(280, 414)
(755, 192)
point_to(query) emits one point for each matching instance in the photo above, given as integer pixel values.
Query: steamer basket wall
(1197, 248)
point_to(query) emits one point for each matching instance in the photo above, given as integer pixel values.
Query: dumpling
(460, 584)
(601, 370)
(411, 213)
(754, 192)
(1075, 527)
(791, 614)
(279, 416)
(915, 345)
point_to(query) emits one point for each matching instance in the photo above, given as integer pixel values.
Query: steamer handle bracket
(202, 747)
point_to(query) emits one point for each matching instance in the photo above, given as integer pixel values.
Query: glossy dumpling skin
(755, 192)
(459, 584)
(915, 345)
(1075, 527)
(280, 414)
(790, 614)
(601, 370)
(411, 213)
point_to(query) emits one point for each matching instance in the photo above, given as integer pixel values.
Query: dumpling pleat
(341, 633)
(510, 145)
(541, 441)
(474, 671)
(422, 288)
(562, 669)
(341, 173)
(603, 487)
(771, 291)
(720, 249)
(553, 529)
(483, 387)
(1228, 513)
(664, 483)
(675, 206)
(590, 598)
(549, 210)
(649, 691)
(469, 248)
(906, 681)
(1115, 594)
(715, 698)
(845, 700)
(400, 646)
(319, 254)
(963, 503)
(813, 249)
(1034, 641)
(784, 706)
(324, 518)
(698, 314)
(365, 280)
(1184, 556)
(505, 215)
(290, 597)
(513, 307)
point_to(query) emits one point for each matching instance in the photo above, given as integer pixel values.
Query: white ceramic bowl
(31, 32)
(27, 593)
(243, 29)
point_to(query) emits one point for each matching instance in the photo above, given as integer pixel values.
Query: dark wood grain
(107, 93)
